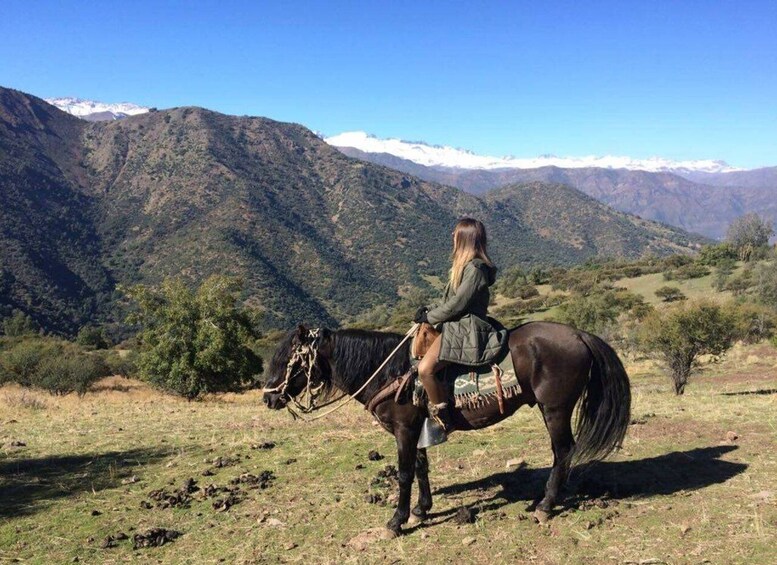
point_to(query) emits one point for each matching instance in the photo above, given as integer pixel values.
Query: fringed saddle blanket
(471, 387)
(474, 386)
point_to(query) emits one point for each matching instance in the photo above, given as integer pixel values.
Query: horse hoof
(414, 520)
(389, 533)
(541, 516)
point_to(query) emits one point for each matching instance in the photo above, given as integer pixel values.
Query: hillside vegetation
(313, 234)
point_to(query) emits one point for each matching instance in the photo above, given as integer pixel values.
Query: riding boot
(438, 424)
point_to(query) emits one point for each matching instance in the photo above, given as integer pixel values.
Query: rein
(306, 355)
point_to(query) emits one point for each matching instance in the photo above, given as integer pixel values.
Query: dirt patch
(365, 539)
(683, 431)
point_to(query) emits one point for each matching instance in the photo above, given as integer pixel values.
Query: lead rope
(408, 335)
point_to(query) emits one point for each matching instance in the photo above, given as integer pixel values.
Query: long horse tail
(605, 407)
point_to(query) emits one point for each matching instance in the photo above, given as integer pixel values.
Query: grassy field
(694, 482)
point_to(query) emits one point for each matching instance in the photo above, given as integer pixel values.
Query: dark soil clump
(155, 537)
(386, 478)
(266, 445)
(178, 498)
(262, 481)
(465, 515)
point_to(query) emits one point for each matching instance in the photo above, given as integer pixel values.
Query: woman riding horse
(467, 337)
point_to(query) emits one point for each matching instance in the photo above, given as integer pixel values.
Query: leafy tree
(670, 294)
(195, 342)
(749, 234)
(19, 325)
(681, 333)
(715, 255)
(92, 337)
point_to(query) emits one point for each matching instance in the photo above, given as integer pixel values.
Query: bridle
(303, 360)
(305, 355)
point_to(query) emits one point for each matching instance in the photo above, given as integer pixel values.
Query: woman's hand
(420, 315)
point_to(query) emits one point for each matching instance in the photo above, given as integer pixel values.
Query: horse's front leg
(407, 439)
(420, 510)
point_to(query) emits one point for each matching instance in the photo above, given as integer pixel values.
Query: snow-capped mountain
(450, 157)
(97, 111)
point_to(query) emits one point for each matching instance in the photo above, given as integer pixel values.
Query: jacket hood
(489, 271)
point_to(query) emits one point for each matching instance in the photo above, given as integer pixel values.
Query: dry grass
(682, 490)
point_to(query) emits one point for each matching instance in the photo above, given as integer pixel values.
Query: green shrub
(92, 337)
(19, 362)
(72, 372)
(717, 255)
(670, 294)
(123, 363)
(593, 313)
(690, 271)
(681, 333)
(741, 283)
(19, 325)
(676, 261)
(195, 342)
(765, 281)
(753, 322)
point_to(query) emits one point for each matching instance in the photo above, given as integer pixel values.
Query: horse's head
(299, 368)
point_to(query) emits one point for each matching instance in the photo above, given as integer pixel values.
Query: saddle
(465, 385)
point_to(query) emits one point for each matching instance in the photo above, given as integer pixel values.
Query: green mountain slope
(314, 234)
(49, 251)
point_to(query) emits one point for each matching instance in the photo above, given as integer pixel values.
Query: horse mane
(357, 353)
(281, 357)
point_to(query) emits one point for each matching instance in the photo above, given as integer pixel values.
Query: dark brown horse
(557, 366)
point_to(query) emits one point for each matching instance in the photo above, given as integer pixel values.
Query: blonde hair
(469, 242)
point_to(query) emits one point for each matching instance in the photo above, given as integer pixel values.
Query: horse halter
(303, 360)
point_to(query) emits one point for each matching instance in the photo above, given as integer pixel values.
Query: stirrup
(432, 433)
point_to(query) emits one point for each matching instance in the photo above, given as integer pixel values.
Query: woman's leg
(427, 369)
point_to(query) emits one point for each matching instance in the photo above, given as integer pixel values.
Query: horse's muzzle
(275, 400)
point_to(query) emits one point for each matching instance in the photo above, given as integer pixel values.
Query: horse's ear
(302, 332)
(326, 333)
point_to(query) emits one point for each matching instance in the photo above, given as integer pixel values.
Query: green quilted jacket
(468, 337)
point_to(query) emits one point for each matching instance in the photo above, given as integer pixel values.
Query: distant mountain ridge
(93, 111)
(454, 158)
(677, 198)
(315, 235)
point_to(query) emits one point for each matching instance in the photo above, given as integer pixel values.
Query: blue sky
(678, 79)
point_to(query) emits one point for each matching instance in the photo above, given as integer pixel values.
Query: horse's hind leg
(418, 514)
(559, 424)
